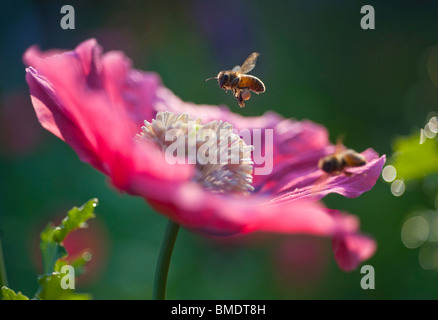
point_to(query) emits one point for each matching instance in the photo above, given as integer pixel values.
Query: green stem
(164, 260)
(3, 278)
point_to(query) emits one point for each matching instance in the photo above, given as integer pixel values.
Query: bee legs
(241, 95)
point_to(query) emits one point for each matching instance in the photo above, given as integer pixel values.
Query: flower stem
(163, 263)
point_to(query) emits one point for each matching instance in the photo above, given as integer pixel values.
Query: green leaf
(76, 218)
(53, 253)
(78, 263)
(54, 284)
(9, 294)
(51, 238)
(413, 160)
(51, 289)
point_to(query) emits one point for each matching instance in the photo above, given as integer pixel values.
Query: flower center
(222, 158)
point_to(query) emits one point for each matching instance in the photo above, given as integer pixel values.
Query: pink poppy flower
(98, 104)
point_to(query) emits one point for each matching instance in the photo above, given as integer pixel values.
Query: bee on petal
(337, 163)
(340, 160)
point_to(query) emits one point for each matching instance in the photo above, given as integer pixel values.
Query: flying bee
(342, 159)
(239, 82)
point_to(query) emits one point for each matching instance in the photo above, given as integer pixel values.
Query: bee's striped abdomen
(252, 83)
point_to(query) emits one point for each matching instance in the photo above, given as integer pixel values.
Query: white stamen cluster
(225, 164)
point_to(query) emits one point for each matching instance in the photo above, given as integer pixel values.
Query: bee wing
(249, 63)
(339, 148)
(236, 69)
(339, 144)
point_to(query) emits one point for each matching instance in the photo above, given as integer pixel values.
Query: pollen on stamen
(223, 159)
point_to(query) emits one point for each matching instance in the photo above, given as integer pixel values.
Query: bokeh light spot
(428, 131)
(415, 232)
(389, 173)
(433, 125)
(422, 137)
(86, 256)
(432, 218)
(428, 255)
(398, 188)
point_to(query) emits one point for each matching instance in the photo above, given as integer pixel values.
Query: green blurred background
(316, 62)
